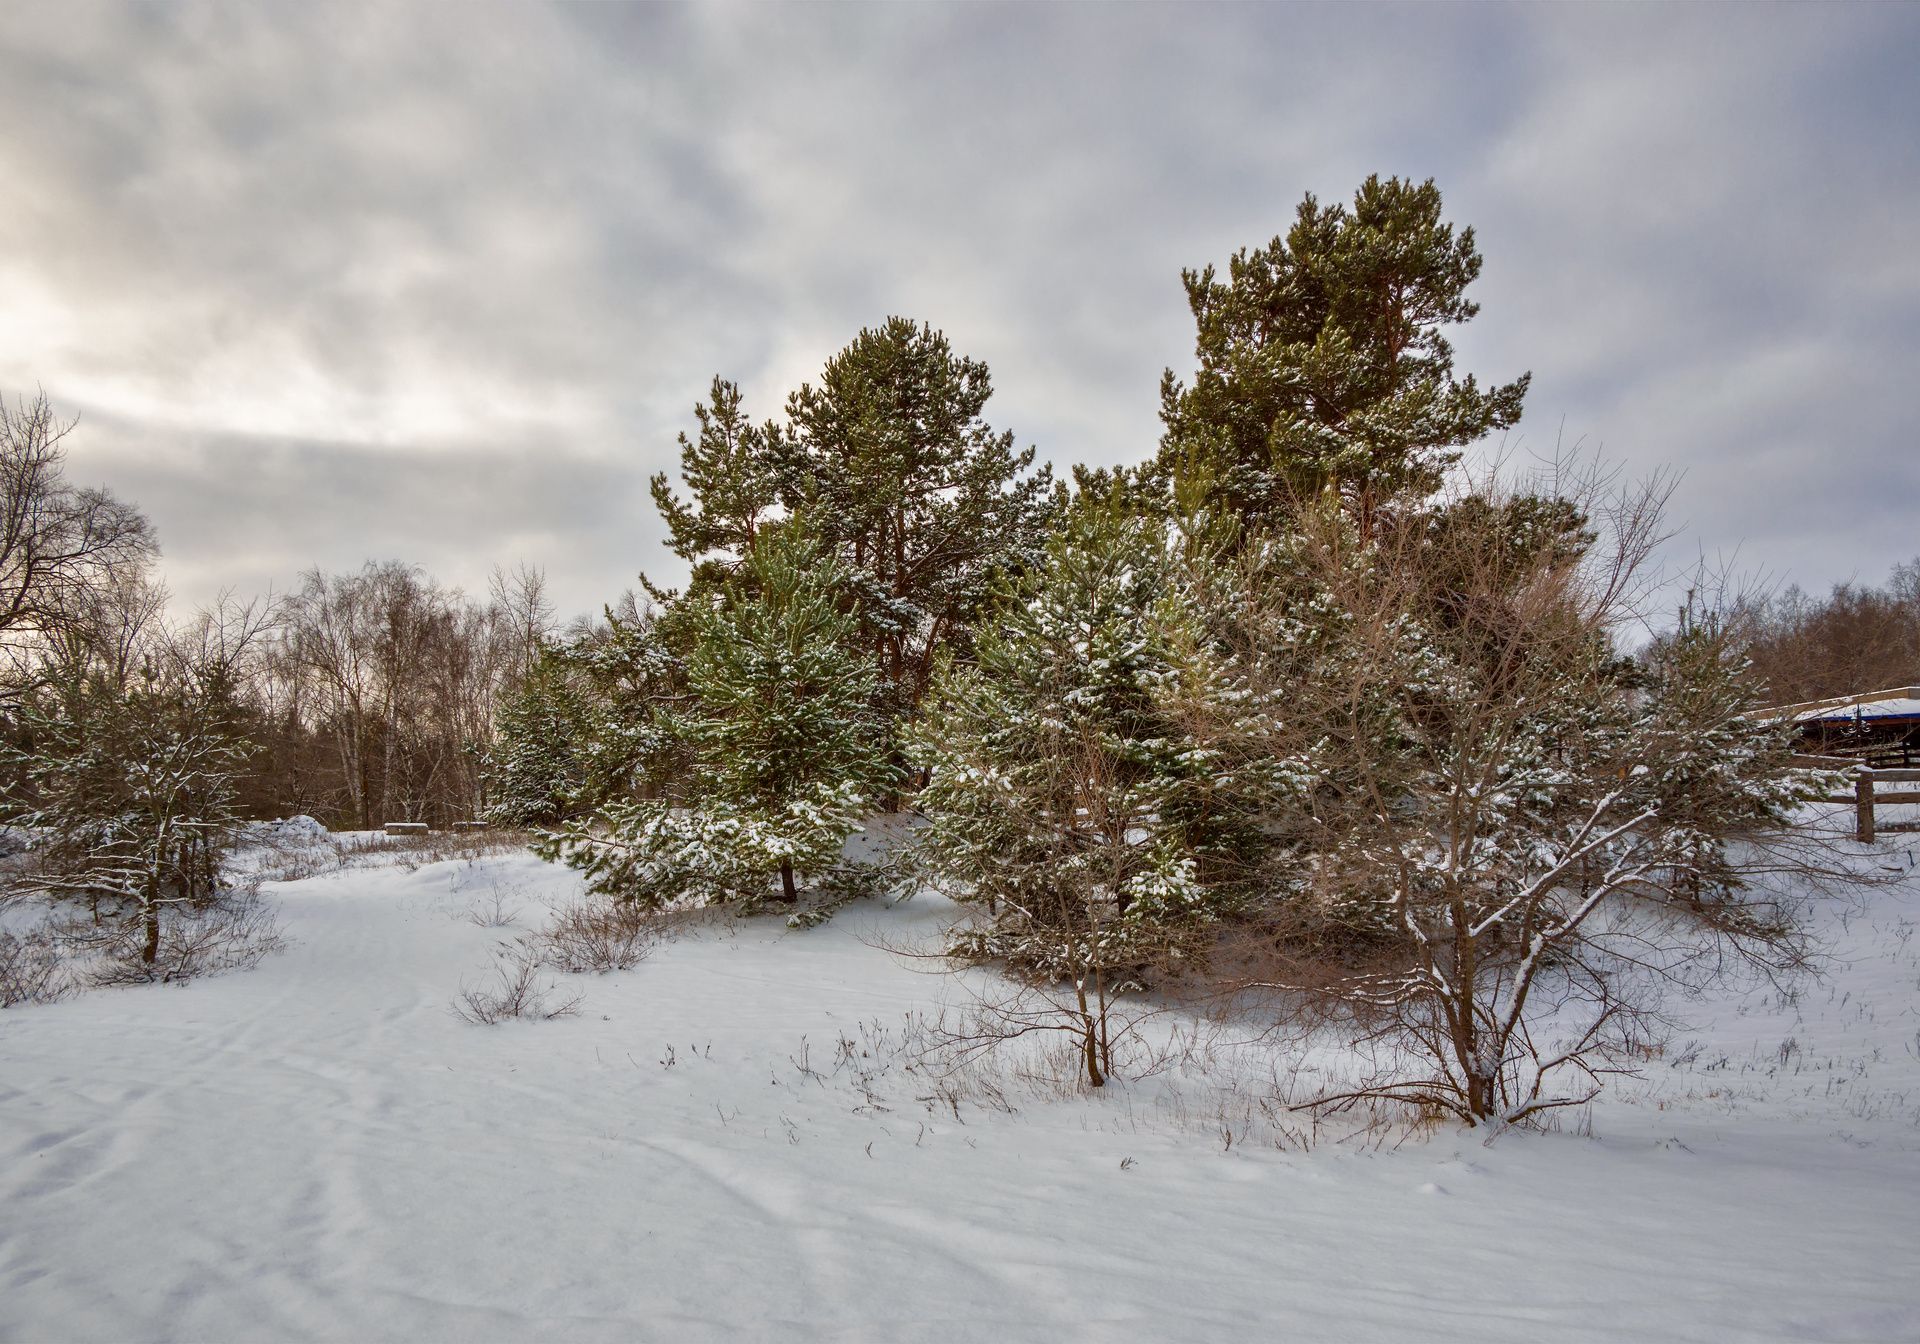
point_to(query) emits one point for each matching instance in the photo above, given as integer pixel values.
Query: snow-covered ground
(319, 1149)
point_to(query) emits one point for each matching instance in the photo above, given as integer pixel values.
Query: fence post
(1863, 807)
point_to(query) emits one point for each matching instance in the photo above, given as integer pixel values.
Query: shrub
(516, 990)
(600, 936)
(30, 968)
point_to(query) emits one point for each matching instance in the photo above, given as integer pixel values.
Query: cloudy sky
(442, 284)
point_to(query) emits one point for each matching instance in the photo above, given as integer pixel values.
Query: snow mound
(297, 829)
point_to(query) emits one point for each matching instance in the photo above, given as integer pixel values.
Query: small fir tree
(780, 739)
(633, 677)
(131, 789)
(1098, 838)
(537, 774)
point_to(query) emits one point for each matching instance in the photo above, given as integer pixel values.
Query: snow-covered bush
(299, 829)
(129, 791)
(716, 851)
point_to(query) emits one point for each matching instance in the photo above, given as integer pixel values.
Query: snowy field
(317, 1149)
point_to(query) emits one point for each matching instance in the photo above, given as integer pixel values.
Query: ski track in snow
(317, 1150)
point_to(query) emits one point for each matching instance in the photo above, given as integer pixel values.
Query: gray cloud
(442, 283)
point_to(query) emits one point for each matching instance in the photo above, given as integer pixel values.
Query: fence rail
(1868, 795)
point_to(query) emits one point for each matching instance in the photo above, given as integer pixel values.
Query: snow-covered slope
(318, 1149)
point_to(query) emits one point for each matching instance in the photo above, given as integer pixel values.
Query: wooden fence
(1868, 793)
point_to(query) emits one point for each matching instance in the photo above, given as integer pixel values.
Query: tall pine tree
(918, 497)
(1322, 363)
(899, 478)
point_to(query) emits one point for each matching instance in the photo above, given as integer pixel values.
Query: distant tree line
(134, 742)
(1857, 638)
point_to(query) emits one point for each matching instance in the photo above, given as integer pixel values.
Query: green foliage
(732, 469)
(780, 695)
(777, 732)
(131, 793)
(1736, 779)
(1322, 363)
(887, 458)
(538, 773)
(713, 852)
(1268, 677)
(1506, 819)
(920, 500)
(1073, 793)
(635, 674)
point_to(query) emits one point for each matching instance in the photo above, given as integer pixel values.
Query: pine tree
(536, 773)
(132, 790)
(781, 743)
(1322, 363)
(633, 675)
(1508, 824)
(918, 497)
(897, 476)
(733, 472)
(1099, 838)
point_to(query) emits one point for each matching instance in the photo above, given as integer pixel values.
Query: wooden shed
(1877, 728)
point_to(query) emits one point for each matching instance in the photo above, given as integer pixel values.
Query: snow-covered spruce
(780, 735)
(1096, 835)
(129, 791)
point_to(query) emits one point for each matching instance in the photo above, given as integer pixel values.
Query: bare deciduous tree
(61, 546)
(1857, 638)
(1518, 840)
(399, 678)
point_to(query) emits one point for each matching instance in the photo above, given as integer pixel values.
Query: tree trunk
(1089, 1037)
(1461, 1026)
(150, 949)
(1480, 1096)
(789, 893)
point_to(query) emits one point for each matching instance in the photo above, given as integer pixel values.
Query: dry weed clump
(413, 852)
(591, 938)
(516, 990)
(31, 968)
(495, 909)
(597, 937)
